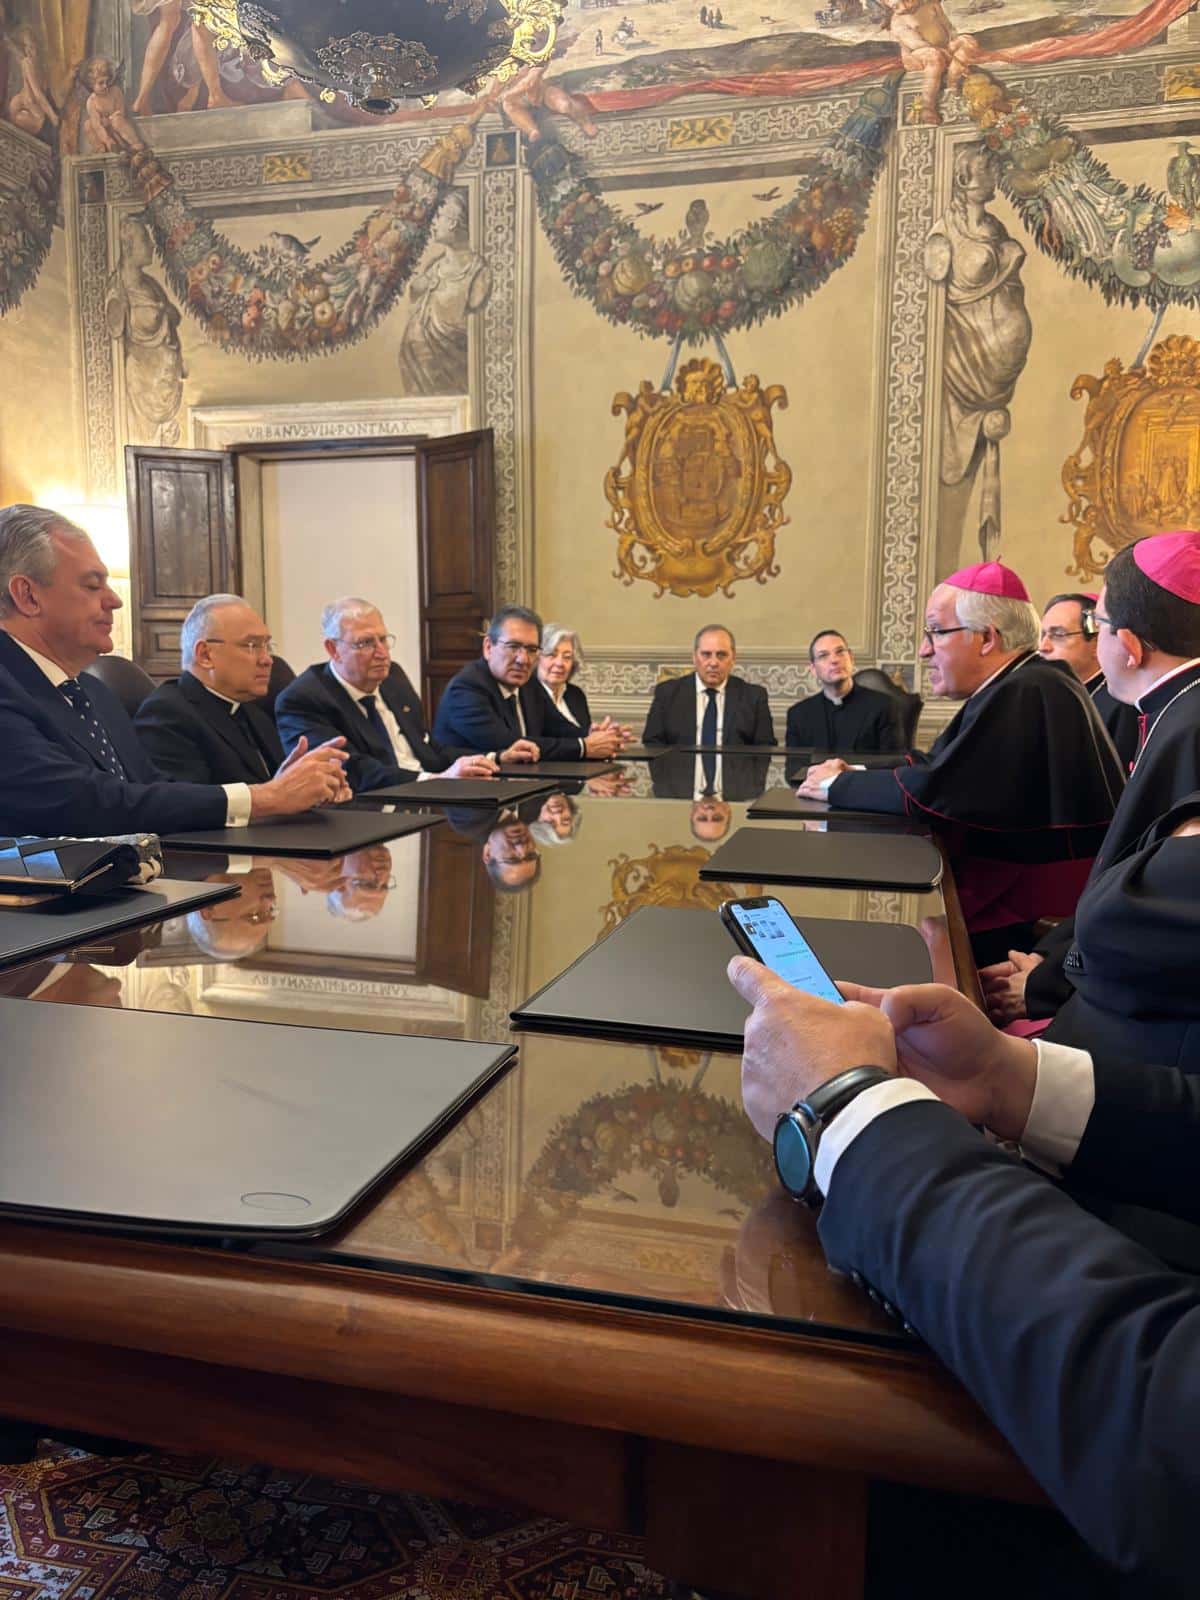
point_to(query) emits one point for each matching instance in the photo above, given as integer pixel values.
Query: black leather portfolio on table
(891, 860)
(330, 832)
(560, 769)
(783, 804)
(28, 932)
(460, 792)
(196, 1125)
(661, 977)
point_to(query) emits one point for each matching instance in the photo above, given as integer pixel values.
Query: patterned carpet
(162, 1527)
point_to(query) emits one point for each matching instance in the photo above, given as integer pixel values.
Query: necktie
(375, 722)
(77, 697)
(708, 735)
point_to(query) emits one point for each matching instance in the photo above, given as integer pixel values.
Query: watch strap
(824, 1103)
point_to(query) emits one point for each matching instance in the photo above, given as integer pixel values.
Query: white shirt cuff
(241, 864)
(861, 1111)
(1063, 1098)
(422, 775)
(237, 804)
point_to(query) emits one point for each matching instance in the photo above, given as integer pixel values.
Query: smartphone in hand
(763, 928)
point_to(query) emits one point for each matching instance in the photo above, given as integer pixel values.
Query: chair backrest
(281, 676)
(125, 678)
(909, 705)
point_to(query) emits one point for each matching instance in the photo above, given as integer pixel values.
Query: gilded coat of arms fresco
(697, 495)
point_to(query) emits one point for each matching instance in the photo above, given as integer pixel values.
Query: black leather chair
(281, 676)
(125, 678)
(910, 705)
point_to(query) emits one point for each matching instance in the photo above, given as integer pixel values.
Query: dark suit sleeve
(1142, 1142)
(171, 747)
(47, 791)
(468, 720)
(655, 731)
(764, 727)
(1081, 1346)
(298, 714)
(874, 790)
(1047, 987)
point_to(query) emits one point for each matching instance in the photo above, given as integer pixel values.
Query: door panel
(183, 517)
(456, 527)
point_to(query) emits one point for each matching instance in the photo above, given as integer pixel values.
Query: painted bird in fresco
(696, 221)
(1183, 178)
(769, 194)
(645, 207)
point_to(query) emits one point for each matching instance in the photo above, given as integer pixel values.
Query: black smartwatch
(798, 1131)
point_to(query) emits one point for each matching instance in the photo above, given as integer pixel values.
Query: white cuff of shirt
(237, 804)
(863, 1109)
(1063, 1098)
(422, 775)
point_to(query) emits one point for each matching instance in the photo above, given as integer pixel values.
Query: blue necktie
(375, 721)
(708, 735)
(77, 697)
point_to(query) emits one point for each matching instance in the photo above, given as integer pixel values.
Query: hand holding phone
(763, 928)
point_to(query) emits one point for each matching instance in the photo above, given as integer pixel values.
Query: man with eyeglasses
(73, 762)
(204, 727)
(1022, 783)
(360, 694)
(493, 705)
(1069, 633)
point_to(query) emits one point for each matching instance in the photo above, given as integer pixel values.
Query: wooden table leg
(764, 1530)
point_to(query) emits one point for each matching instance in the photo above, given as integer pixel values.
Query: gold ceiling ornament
(697, 494)
(1137, 468)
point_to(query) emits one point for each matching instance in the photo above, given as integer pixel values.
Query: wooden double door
(197, 518)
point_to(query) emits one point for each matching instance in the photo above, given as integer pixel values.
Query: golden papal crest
(697, 495)
(1137, 469)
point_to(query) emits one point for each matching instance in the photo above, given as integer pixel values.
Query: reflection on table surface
(592, 1169)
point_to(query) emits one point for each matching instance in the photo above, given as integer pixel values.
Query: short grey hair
(553, 635)
(195, 624)
(714, 627)
(1016, 621)
(335, 614)
(27, 547)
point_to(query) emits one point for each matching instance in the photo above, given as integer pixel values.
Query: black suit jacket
(672, 718)
(577, 704)
(189, 734)
(316, 704)
(474, 715)
(1082, 1347)
(54, 783)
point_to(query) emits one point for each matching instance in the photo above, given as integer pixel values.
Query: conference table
(589, 1298)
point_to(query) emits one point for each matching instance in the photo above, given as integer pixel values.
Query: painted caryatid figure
(142, 317)
(986, 344)
(453, 283)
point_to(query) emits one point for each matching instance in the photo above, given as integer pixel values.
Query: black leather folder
(324, 833)
(560, 769)
(661, 977)
(783, 804)
(27, 932)
(460, 792)
(886, 860)
(197, 1125)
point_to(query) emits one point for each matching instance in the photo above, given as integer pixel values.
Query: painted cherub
(30, 108)
(105, 117)
(930, 44)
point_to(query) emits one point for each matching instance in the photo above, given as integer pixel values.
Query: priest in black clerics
(1069, 633)
(843, 715)
(1149, 650)
(1023, 783)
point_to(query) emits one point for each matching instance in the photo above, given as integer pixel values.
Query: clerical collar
(52, 669)
(1162, 689)
(234, 705)
(1017, 661)
(837, 699)
(1095, 683)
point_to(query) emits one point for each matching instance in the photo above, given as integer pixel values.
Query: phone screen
(782, 947)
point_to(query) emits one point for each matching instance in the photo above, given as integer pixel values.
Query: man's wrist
(1016, 1088)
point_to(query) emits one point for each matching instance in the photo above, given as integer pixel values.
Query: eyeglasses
(372, 883)
(371, 641)
(1059, 634)
(1107, 621)
(512, 648)
(932, 635)
(251, 647)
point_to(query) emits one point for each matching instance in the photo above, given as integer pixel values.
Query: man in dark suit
(711, 705)
(73, 764)
(494, 706)
(361, 694)
(203, 727)
(842, 716)
(1071, 633)
(1082, 1347)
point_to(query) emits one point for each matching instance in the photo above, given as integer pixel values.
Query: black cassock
(1166, 769)
(1120, 720)
(1021, 787)
(1136, 959)
(866, 721)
